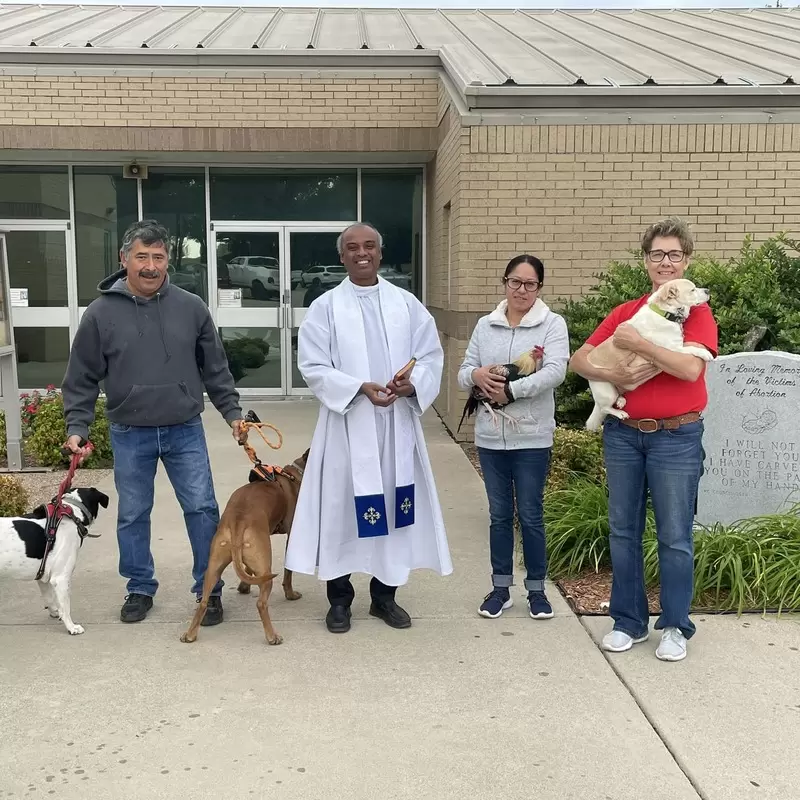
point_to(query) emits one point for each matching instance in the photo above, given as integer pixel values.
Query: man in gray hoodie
(155, 347)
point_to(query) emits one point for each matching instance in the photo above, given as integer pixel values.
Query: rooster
(528, 363)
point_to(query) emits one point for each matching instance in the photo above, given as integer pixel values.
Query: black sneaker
(135, 607)
(213, 612)
(539, 606)
(338, 619)
(390, 613)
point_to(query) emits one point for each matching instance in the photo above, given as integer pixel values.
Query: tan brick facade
(579, 196)
(206, 102)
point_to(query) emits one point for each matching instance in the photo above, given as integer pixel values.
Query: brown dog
(254, 512)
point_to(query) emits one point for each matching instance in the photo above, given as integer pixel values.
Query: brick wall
(203, 102)
(579, 196)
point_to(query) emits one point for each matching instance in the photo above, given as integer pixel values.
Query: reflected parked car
(328, 276)
(190, 277)
(396, 277)
(259, 274)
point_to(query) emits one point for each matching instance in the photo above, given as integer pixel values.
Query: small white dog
(659, 321)
(22, 546)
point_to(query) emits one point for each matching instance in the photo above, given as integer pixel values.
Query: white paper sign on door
(229, 298)
(19, 297)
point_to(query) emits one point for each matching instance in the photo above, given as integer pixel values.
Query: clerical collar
(365, 289)
(668, 315)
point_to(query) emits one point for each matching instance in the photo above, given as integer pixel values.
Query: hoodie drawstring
(161, 327)
(140, 327)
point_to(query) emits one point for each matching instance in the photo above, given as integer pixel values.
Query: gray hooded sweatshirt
(154, 356)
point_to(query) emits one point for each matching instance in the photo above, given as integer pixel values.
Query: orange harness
(265, 472)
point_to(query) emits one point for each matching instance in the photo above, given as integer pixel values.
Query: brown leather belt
(668, 424)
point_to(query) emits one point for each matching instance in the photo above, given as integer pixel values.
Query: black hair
(526, 259)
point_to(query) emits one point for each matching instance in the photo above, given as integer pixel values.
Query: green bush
(755, 297)
(13, 497)
(751, 564)
(575, 453)
(48, 434)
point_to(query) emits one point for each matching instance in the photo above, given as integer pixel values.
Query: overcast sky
(565, 4)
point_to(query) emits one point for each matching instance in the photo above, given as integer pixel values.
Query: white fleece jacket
(494, 341)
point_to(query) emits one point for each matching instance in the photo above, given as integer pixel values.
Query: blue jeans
(520, 472)
(137, 451)
(669, 465)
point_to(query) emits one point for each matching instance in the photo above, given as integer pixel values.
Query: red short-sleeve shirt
(665, 395)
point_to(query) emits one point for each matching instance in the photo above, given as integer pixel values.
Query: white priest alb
(368, 500)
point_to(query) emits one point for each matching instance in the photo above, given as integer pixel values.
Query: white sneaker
(673, 645)
(619, 641)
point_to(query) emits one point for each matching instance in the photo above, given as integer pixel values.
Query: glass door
(266, 277)
(247, 305)
(315, 268)
(43, 298)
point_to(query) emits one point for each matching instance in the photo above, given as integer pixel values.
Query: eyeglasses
(657, 256)
(516, 283)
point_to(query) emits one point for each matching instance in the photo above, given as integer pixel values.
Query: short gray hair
(149, 232)
(340, 240)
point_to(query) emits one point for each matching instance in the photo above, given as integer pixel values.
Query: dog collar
(298, 468)
(82, 525)
(668, 315)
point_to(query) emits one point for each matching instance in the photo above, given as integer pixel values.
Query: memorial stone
(752, 437)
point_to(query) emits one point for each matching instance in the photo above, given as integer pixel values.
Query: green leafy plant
(755, 297)
(751, 564)
(13, 496)
(48, 433)
(576, 453)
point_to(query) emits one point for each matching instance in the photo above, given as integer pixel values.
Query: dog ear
(305, 455)
(40, 512)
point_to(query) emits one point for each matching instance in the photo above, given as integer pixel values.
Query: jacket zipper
(502, 419)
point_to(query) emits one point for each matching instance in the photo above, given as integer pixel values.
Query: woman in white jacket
(515, 458)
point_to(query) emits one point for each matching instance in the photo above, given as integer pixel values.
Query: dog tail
(245, 576)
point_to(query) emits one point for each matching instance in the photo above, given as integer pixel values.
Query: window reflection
(42, 355)
(391, 200)
(249, 194)
(105, 205)
(34, 192)
(250, 262)
(254, 356)
(37, 261)
(177, 199)
(314, 265)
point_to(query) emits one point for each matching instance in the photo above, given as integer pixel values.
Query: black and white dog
(22, 546)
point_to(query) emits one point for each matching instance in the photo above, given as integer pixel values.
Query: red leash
(56, 510)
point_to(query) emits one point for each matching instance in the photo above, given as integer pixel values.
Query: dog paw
(187, 639)
(75, 630)
(277, 640)
(620, 403)
(54, 613)
(293, 595)
(623, 415)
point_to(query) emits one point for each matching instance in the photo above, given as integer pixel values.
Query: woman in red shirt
(659, 448)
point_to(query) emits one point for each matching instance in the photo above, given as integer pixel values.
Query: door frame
(284, 317)
(44, 316)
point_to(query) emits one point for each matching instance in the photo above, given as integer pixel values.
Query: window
(391, 200)
(248, 194)
(34, 192)
(177, 199)
(105, 205)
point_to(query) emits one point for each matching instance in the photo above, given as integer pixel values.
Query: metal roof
(479, 48)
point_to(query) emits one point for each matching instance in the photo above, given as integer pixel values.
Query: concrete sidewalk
(456, 707)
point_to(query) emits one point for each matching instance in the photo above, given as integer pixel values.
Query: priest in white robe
(368, 500)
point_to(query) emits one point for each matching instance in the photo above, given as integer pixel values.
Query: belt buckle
(647, 430)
